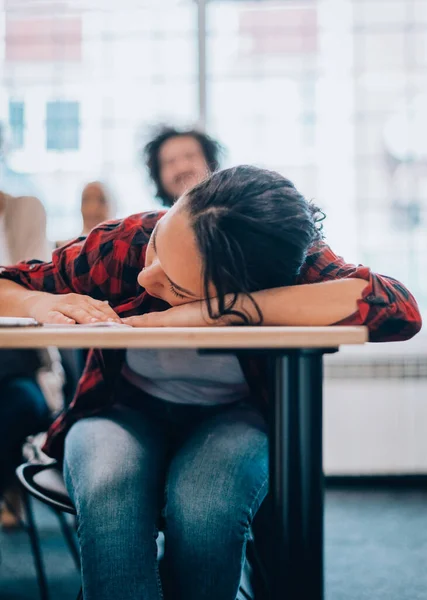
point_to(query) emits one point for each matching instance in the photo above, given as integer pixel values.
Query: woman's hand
(191, 314)
(68, 308)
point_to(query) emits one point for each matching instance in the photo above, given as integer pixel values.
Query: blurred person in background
(30, 381)
(178, 159)
(96, 207)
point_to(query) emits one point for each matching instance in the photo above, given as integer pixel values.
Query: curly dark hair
(211, 150)
(253, 229)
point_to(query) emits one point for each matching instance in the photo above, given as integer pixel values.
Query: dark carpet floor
(376, 549)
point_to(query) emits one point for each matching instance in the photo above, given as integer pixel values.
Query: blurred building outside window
(17, 123)
(62, 125)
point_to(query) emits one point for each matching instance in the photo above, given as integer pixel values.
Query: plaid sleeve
(386, 307)
(105, 265)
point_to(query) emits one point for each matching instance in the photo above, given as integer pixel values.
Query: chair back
(45, 482)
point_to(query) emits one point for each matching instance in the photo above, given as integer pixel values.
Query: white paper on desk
(18, 322)
(98, 324)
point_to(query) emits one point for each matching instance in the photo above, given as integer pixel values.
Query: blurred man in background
(177, 159)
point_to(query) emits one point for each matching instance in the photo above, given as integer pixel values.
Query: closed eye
(175, 293)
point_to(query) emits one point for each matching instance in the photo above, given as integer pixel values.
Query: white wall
(377, 425)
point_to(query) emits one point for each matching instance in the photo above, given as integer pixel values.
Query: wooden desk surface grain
(79, 336)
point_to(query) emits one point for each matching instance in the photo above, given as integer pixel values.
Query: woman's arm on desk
(79, 280)
(329, 292)
(385, 306)
(17, 301)
(13, 299)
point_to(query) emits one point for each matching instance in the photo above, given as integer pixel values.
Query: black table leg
(296, 477)
(311, 457)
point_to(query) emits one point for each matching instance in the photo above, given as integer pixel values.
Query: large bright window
(333, 94)
(93, 77)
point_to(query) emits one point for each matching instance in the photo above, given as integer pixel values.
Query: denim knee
(97, 477)
(208, 514)
(109, 471)
(218, 479)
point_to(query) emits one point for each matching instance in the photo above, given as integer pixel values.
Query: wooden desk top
(79, 336)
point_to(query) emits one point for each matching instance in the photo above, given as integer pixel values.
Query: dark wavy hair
(253, 230)
(211, 150)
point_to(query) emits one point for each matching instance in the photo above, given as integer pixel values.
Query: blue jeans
(23, 411)
(199, 473)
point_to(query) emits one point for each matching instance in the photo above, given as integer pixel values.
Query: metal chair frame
(25, 474)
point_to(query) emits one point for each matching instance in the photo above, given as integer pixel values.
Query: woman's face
(173, 265)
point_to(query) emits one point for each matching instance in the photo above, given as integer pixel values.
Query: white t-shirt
(5, 259)
(186, 377)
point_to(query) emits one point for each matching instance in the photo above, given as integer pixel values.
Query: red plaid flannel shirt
(105, 266)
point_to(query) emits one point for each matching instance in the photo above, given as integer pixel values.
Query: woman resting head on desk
(172, 432)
